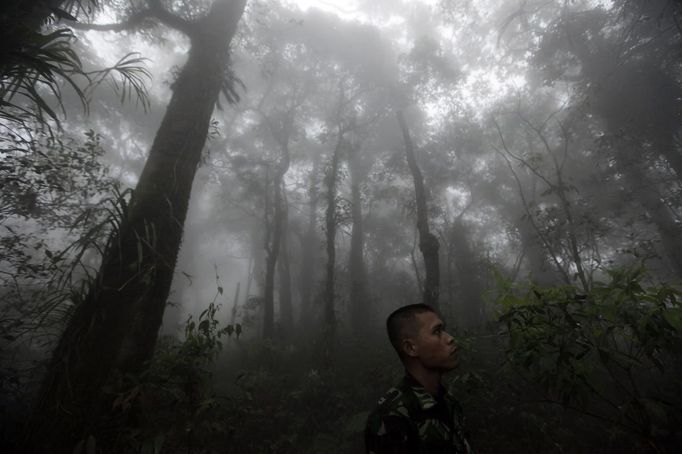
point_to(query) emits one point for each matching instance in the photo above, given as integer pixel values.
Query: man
(418, 416)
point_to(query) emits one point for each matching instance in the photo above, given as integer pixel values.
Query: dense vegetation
(209, 207)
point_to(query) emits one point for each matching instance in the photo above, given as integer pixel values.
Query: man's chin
(454, 364)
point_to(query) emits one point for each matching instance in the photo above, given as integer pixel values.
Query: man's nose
(451, 340)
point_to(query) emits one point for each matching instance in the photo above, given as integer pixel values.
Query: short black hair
(402, 323)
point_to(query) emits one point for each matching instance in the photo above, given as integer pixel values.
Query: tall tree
(114, 329)
(309, 248)
(284, 275)
(470, 289)
(359, 297)
(428, 242)
(330, 224)
(276, 213)
(275, 229)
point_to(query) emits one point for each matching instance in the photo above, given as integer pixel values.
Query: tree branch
(170, 19)
(545, 242)
(135, 20)
(155, 11)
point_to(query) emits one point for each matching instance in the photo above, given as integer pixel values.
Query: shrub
(612, 354)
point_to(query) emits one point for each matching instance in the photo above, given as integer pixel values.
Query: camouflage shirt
(410, 420)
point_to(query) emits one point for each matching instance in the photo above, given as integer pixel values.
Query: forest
(208, 208)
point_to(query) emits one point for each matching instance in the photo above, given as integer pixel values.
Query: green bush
(612, 354)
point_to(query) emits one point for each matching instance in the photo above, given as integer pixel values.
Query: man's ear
(409, 347)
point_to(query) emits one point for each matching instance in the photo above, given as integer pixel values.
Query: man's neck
(429, 379)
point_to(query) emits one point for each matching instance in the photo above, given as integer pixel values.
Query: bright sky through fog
(479, 89)
(342, 7)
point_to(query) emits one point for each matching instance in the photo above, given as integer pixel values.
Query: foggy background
(547, 138)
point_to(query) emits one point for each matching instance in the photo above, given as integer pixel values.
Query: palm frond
(32, 77)
(128, 77)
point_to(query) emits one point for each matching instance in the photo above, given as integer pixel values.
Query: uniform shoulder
(392, 403)
(389, 424)
(393, 397)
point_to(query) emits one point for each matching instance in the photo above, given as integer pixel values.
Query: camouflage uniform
(410, 420)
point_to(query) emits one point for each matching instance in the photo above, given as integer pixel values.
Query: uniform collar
(426, 399)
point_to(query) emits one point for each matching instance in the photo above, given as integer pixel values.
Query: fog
(210, 207)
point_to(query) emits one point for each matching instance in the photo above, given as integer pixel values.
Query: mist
(210, 207)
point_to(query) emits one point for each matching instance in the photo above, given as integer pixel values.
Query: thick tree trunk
(428, 243)
(114, 329)
(359, 300)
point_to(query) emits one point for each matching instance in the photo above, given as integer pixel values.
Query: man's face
(432, 345)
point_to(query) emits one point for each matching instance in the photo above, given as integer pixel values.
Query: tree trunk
(359, 300)
(114, 329)
(249, 279)
(235, 303)
(271, 246)
(284, 272)
(330, 232)
(450, 281)
(428, 243)
(275, 221)
(258, 276)
(470, 289)
(309, 248)
(539, 268)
